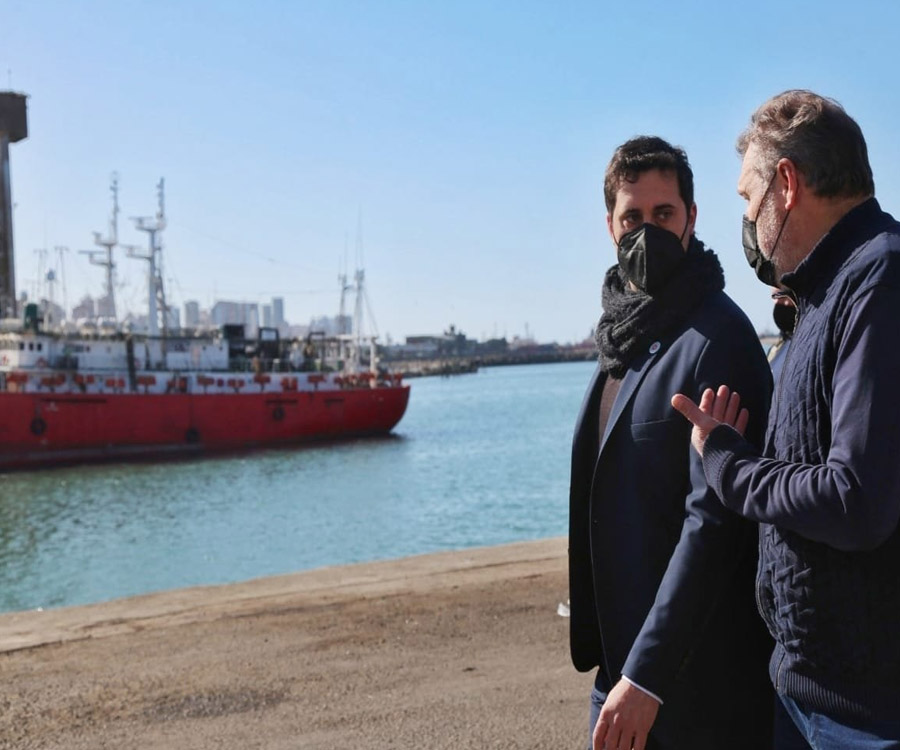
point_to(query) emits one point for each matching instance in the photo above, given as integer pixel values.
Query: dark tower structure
(13, 127)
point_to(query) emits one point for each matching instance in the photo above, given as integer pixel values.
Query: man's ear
(609, 227)
(692, 219)
(789, 182)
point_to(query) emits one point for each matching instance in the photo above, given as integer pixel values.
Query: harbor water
(478, 459)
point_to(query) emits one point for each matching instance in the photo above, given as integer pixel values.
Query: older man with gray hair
(826, 487)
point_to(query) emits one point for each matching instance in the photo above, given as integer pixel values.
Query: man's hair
(641, 154)
(818, 136)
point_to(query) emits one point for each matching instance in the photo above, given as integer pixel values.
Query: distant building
(251, 315)
(451, 344)
(137, 323)
(493, 346)
(192, 314)
(106, 307)
(522, 343)
(84, 310)
(294, 331)
(251, 320)
(321, 323)
(423, 347)
(52, 313)
(141, 323)
(277, 312)
(173, 318)
(224, 312)
(332, 325)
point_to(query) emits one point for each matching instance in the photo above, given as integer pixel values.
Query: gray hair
(818, 136)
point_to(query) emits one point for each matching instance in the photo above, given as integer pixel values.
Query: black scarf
(631, 321)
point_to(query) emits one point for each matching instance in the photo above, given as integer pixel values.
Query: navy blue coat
(827, 487)
(660, 573)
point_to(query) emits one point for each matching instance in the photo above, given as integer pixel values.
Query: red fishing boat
(72, 393)
(67, 399)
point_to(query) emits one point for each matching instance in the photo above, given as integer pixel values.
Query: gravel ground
(454, 650)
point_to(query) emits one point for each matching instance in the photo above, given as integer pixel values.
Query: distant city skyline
(454, 150)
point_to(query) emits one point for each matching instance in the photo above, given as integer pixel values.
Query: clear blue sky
(471, 136)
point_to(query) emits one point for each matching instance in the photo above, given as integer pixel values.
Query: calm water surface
(478, 460)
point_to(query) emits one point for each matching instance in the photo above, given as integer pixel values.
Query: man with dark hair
(826, 487)
(643, 154)
(660, 574)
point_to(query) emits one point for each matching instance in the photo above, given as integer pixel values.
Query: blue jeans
(798, 728)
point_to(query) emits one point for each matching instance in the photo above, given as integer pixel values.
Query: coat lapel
(630, 383)
(590, 398)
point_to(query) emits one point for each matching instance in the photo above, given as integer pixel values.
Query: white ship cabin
(25, 351)
(103, 361)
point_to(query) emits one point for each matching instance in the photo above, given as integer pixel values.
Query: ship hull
(44, 429)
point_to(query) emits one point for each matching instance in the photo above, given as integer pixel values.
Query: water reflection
(478, 459)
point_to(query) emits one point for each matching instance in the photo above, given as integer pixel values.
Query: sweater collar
(858, 225)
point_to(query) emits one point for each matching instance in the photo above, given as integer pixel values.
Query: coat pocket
(659, 430)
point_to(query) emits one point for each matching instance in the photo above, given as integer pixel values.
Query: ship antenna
(61, 250)
(345, 287)
(105, 258)
(41, 253)
(359, 279)
(156, 297)
(46, 281)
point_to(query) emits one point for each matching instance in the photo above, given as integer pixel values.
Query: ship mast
(363, 305)
(46, 280)
(359, 277)
(357, 333)
(60, 252)
(157, 311)
(342, 313)
(13, 128)
(104, 259)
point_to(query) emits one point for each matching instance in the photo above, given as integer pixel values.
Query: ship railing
(181, 382)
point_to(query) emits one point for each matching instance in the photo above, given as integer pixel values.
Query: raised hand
(716, 407)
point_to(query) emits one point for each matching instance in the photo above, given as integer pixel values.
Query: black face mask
(648, 256)
(763, 267)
